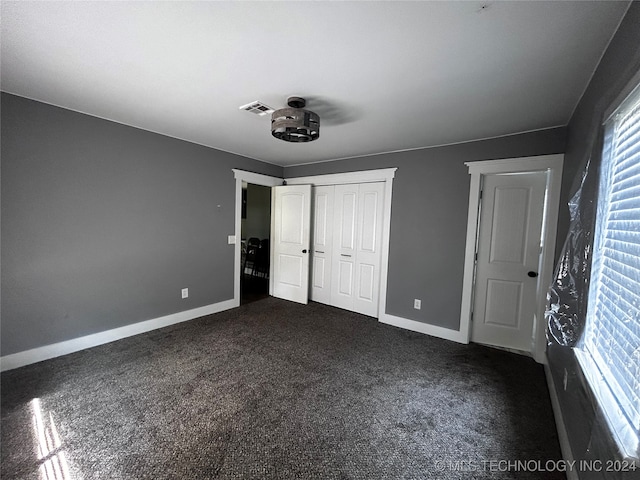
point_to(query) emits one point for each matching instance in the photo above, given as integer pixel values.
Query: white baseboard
(26, 357)
(563, 437)
(433, 330)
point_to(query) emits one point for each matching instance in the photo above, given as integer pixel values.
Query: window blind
(612, 331)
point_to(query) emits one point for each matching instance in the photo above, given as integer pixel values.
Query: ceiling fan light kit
(294, 123)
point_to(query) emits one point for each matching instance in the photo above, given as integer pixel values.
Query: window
(610, 348)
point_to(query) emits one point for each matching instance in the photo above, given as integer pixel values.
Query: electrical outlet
(185, 293)
(417, 304)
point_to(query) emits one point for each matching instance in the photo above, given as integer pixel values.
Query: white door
(508, 258)
(368, 248)
(344, 246)
(291, 210)
(357, 238)
(322, 243)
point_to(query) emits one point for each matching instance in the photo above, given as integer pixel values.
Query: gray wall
(586, 428)
(429, 217)
(103, 224)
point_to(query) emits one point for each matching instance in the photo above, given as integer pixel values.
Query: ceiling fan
(290, 124)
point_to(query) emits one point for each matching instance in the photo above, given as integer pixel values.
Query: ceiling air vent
(257, 107)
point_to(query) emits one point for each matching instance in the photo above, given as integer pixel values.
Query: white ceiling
(383, 76)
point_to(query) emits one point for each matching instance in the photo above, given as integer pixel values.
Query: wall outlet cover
(185, 293)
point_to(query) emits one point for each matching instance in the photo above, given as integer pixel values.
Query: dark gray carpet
(278, 390)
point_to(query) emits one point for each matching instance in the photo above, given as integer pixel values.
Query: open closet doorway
(255, 234)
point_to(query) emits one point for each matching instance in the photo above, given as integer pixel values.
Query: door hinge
(481, 194)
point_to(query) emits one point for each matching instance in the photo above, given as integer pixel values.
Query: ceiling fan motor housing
(294, 124)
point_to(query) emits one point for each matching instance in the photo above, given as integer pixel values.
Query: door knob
(532, 274)
(304, 251)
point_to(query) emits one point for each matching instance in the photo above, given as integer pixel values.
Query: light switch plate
(232, 240)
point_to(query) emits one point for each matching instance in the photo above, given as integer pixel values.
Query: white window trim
(626, 439)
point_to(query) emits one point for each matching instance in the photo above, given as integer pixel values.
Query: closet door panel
(347, 228)
(322, 243)
(320, 283)
(366, 287)
(344, 246)
(345, 279)
(346, 240)
(368, 219)
(368, 255)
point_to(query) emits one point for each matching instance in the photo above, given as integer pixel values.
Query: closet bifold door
(344, 246)
(357, 234)
(368, 254)
(322, 243)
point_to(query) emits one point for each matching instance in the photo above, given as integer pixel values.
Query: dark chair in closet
(262, 261)
(251, 256)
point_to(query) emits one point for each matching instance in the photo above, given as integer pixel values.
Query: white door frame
(552, 164)
(256, 179)
(385, 175)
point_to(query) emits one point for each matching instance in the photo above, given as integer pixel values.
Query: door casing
(256, 179)
(552, 165)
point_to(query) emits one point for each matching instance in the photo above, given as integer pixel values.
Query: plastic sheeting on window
(567, 295)
(604, 407)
